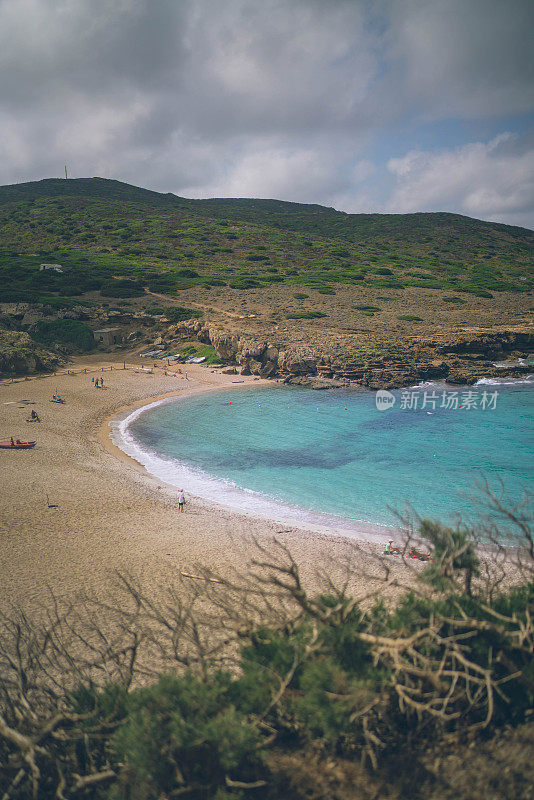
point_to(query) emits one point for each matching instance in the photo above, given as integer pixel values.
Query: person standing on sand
(181, 501)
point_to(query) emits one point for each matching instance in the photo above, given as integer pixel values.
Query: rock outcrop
(312, 382)
(20, 355)
(462, 361)
(491, 345)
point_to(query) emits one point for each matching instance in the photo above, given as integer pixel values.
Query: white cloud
(492, 180)
(276, 171)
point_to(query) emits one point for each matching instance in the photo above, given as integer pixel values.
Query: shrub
(183, 284)
(385, 685)
(63, 302)
(454, 554)
(180, 313)
(188, 273)
(122, 288)
(215, 282)
(18, 296)
(161, 284)
(183, 726)
(410, 318)
(300, 296)
(368, 308)
(65, 331)
(78, 284)
(47, 279)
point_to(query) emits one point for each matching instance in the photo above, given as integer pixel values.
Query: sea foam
(505, 381)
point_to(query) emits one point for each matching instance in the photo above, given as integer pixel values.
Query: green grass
(202, 351)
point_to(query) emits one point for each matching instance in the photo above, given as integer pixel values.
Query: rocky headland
(370, 362)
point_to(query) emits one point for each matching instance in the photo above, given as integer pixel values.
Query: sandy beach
(107, 513)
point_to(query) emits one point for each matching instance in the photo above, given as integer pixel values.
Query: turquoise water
(335, 453)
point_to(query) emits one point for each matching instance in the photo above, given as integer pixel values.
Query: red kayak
(16, 445)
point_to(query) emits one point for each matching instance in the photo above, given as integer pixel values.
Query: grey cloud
(245, 97)
(470, 58)
(244, 65)
(52, 51)
(162, 82)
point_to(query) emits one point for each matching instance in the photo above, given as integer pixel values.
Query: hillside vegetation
(101, 228)
(282, 288)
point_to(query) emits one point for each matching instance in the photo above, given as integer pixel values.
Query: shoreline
(224, 494)
(104, 435)
(76, 509)
(270, 509)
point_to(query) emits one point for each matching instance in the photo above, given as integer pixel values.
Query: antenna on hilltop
(66, 172)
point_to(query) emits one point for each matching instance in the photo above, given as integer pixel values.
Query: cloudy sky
(365, 105)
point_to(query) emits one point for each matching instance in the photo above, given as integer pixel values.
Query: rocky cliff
(461, 358)
(20, 355)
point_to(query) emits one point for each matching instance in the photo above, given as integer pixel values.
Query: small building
(108, 336)
(53, 267)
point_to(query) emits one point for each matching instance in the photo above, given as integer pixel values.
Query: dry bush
(323, 673)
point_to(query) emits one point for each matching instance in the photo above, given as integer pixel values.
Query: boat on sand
(16, 445)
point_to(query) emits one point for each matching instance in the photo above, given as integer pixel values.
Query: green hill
(88, 187)
(100, 229)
